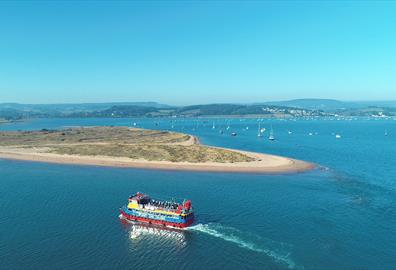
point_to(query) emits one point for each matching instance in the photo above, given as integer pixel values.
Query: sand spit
(138, 148)
(263, 163)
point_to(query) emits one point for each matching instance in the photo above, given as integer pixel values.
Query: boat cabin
(139, 198)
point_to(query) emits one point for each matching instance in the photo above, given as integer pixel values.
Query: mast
(271, 136)
(259, 131)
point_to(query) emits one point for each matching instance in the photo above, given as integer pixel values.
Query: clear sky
(196, 52)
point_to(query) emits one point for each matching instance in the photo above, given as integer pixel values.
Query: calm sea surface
(339, 216)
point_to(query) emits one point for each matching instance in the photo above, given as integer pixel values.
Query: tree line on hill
(12, 111)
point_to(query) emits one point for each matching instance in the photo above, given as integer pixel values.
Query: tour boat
(141, 208)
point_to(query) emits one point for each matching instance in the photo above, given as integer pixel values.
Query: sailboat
(271, 136)
(228, 125)
(259, 133)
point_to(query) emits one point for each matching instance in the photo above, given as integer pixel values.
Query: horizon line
(189, 104)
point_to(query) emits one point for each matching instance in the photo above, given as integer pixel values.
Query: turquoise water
(342, 215)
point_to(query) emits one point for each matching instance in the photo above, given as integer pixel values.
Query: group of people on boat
(145, 201)
(164, 204)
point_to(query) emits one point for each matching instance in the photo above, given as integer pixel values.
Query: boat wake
(280, 252)
(140, 231)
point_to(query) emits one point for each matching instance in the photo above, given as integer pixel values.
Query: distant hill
(231, 109)
(19, 111)
(371, 111)
(221, 109)
(290, 108)
(331, 104)
(131, 111)
(73, 107)
(312, 103)
(201, 110)
(385, 104)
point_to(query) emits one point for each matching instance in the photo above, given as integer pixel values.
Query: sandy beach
(138, 148)
(263, 163)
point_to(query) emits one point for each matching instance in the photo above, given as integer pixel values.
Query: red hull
(157, 222)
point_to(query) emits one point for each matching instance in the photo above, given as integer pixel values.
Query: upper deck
(144, 203)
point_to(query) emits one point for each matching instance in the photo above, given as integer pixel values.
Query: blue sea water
(342, 215)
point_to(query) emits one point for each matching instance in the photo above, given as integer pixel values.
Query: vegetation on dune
(122, 135)
(156, 152)
(127, 142)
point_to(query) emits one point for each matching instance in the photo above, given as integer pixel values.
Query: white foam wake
(280, 252)
(138, 230)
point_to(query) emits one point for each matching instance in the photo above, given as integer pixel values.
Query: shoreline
(263, 163)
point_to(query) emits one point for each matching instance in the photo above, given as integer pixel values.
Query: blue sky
(196, 52)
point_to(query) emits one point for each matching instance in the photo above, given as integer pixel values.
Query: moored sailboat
(271, 135)
(259, 133)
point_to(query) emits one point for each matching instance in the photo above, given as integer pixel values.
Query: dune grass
(123, 135)
(156, 152)
(151, 145)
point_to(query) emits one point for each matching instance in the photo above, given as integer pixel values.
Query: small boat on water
(259, 132)
(141, 208)
(338, 136)
(233, 134)
(271, 135)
